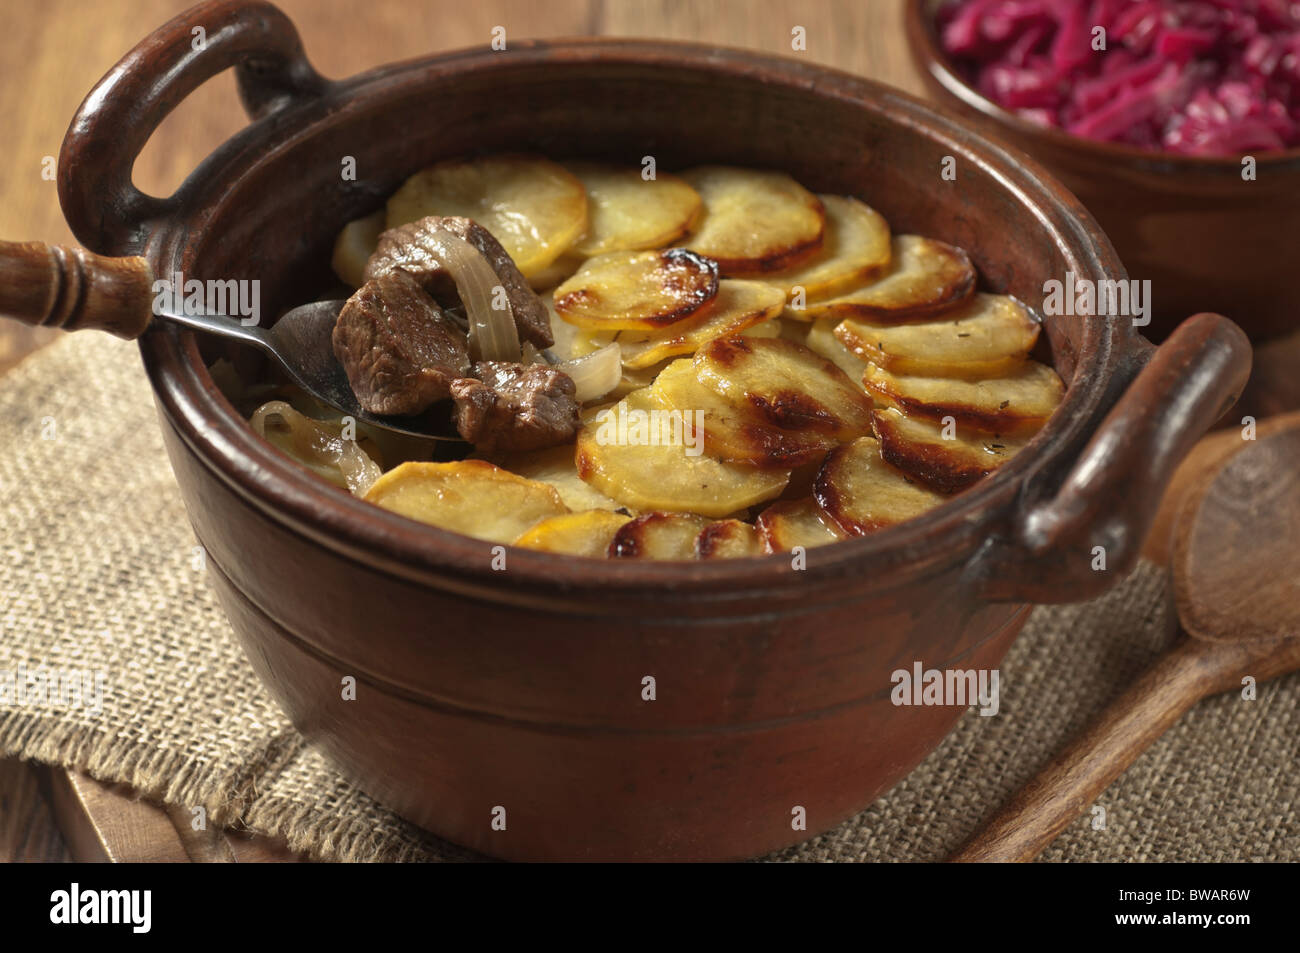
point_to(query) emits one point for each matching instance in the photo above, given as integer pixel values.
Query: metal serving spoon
(1236, 574)
(73, 289)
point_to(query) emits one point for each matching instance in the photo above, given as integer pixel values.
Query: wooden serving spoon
(1236, 573)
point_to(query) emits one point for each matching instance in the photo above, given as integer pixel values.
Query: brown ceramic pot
(1205, 237)
(523, 688)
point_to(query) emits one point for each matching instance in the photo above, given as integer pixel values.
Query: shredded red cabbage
(1196, 77)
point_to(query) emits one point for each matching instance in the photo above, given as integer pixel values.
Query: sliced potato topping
(466, 496)
(557, 467)
(658, 536)
(755, 221)
(568, 343)
(354, 246)
(648, 461)
(588, 533)
(987, 336)
(948, 459)
(862, 493)
(791, 523)
(856, 247)
(556, 272)
(728, 539)
(628, 212)
(822, 339)
(534, 207)
(637, 290)
(1017, 403)
(740, 305)
(924, 277)
(730, 431)
(789, 385)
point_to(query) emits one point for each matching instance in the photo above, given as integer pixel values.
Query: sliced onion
(316, 444)
(595, 374)
(492, 332)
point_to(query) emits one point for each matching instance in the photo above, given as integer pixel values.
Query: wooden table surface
(53, 52)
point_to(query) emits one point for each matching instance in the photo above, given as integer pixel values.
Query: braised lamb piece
(400, 351)
(408, 248)
(515, 406)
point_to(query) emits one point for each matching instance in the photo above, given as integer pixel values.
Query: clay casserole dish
(522, 688)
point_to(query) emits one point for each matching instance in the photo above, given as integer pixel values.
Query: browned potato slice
(924, 277)
(821, 338)
(467, 496)
(733, 432)
(637, 290)
(740, 305)
(862, 493)
(918, 447)
(354, 246)
(771, 328)
(791, 523)
(1017, 403)
(642, 460)
(658, 536)
(578, 534)
(535, 208)
(988, 336)
(629, 213)
(856, 247)
(728, 539)
(557, 467)
(788, 385)
(568, 342)
(755, 221)
(556, 272)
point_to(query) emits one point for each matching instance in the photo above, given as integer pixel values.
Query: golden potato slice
(557, 467)
(862, 493)
(821, 338)
(568, 344)
(466, 496)
(730, 431)
(630, 213)
(771, 328)
(354, 246)
(588, 533)
(920, 448)
(1016, 403)
(789, 385)
(755, 221)
(790, 523)
(658, 536)
(924, 277)
(641, 459)
(856, 247)
(988, 336)
(728, 539)
(535, 208)
(556, 272)
(740, 305)
(637, 290)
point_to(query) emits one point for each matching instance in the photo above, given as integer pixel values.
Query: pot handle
(103, 207)
(1110, 495)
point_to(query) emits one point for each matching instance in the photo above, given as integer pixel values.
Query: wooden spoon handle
(1062, 791)
(71, 288)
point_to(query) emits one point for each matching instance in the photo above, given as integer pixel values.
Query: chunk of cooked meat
(407, 248)
(515, 406)
(399, 350)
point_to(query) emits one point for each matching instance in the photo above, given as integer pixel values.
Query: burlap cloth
(99, 574)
